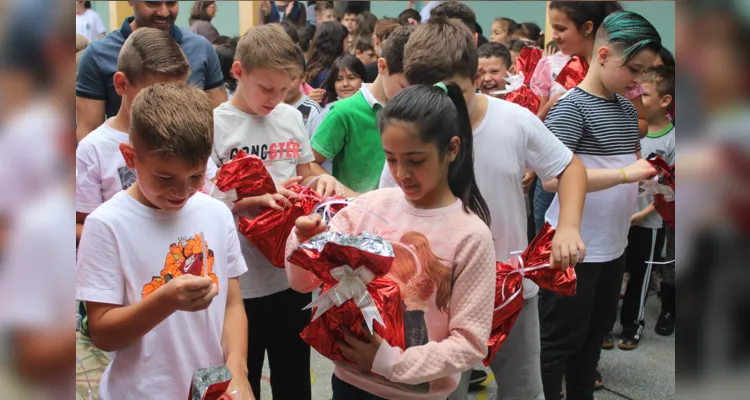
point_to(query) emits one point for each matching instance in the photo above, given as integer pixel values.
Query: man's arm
(217, 95)
(90, 115)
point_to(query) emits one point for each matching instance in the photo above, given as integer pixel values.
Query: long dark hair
(438, 117)
(581, 12)
(198, 11)
(327, 45)
(349, 62)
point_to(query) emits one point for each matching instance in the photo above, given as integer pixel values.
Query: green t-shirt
(349, 136)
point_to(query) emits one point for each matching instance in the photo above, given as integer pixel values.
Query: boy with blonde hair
(257, 122)
(158, 264)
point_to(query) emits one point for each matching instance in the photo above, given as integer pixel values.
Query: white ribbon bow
(653, 187)
(352, 285)
(516, 262)
(515, 82)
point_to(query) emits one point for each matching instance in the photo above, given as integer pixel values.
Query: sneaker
(665, 324)
(478, 377)
(629, 341)
(608, 342)
(598, 382)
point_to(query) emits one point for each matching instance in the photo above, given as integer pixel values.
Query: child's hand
(190, 293)
(361, 354)
(329, 186)
(309, 226)
(317, 95)
(239, 389)
(639, 171)
(637, 218)
(267, 200)
(282, 187)
(568, 248)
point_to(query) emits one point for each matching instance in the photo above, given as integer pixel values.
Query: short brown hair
(150, 51)
(439, 50)
(394, 48)
(457, 10)
(662, 77)
(268, 46)
(384, 27)
(173, 120)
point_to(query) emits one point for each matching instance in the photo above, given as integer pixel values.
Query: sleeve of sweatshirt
(471, 306)
(303, 280)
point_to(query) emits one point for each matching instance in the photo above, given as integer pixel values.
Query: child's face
(499, 33)
(166, 183)
(350, 22)
(367, 56)
(654, 104)
(129, 91)
(294, 92)
(347, 83)
(619, 78)
(261, 89)
(492, 72)
(392, 84)
(416, 166)
(567, 35)
(327, 15)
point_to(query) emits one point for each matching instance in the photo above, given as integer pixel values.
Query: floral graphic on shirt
(184, 257)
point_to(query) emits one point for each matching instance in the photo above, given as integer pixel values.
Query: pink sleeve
(541, 80)
(471, 307)
(301, 279)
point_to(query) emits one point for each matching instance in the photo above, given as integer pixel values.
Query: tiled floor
(646, 373)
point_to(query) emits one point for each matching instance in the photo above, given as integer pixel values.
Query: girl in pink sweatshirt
(444, 256)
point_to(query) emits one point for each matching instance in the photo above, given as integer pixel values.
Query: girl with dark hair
(344, 79)
(201, 15)
(444, 262)
(327, 45)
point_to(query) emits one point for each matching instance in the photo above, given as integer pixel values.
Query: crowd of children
(403, 117)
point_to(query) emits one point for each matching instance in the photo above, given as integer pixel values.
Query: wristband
(624, 176)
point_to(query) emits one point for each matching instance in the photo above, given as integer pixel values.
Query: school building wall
(234, 17)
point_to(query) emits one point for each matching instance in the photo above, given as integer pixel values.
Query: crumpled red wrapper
(247, 175)
(524, 97)
(210, 383)
(324, 333)
(526, 62)
(666, 177)
(269, 230)
(573, 72)
(330, 250)
(537, 254)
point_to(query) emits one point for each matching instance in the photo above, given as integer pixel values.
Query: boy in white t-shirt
(257, 121)
(508, 140)
(149, 56)
(158, 264)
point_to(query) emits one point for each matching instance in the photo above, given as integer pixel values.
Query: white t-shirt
(280, 139)
(127, 250)
(101, 171)
(507, 142)
(90, 25)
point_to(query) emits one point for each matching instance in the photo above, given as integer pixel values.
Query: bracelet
(624, 176)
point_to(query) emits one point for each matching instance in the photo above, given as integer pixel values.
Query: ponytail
(461, 177)
(439, 114)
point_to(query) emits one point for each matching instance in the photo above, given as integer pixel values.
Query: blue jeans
(542, 201)
(345, 391)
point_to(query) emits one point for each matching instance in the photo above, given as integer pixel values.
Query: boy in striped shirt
(309, 109)
(601, 127)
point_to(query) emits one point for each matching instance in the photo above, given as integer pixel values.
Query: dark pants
(572, 329)
(274, 324)
(644, 246)
(345, 391)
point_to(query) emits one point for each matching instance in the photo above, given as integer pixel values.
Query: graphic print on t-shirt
(185, 257)
(127, 177)
(281, 151)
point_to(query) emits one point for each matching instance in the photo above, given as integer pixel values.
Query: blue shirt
(99, 63)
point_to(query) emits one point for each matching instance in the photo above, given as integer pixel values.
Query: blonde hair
(150, 51)
(268, 46)
(173, 120)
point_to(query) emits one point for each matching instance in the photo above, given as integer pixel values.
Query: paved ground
(646, 373)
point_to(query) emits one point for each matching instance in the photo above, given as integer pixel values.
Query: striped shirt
(603, 134)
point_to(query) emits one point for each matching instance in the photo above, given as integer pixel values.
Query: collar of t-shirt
(369, 97)
(126, 30)
(654, 135)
